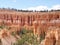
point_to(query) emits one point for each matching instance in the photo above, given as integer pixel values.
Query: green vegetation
(28, 38)
(42, 36)
(13, 33)
(3, 26)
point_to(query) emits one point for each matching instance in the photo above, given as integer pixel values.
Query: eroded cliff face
(30, 20)
(52, 37)
(39, 22)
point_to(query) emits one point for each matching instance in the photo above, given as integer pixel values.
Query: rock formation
(52, 37)
(44, 19)
(39, 22)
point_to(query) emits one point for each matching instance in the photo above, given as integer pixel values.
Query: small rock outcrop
(52, 37)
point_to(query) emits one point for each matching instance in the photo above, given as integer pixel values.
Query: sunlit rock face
(52, 37)
(34, 20)
(38, 22)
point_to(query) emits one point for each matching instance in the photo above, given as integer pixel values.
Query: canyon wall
(52, 37)
(39, 22)
(35, 20)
